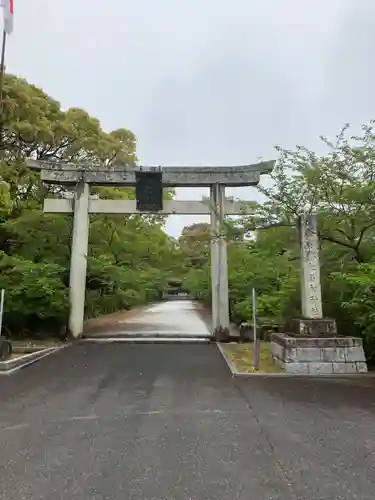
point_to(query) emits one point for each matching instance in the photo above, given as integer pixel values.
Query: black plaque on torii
(149, 190)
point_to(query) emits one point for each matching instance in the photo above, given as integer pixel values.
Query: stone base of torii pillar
(314, 346)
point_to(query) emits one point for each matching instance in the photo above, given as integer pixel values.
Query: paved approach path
(168, 422)
(165, 319)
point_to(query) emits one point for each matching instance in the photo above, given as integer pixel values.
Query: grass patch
(241, 355)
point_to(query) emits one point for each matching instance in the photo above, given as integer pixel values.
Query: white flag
(8, 16)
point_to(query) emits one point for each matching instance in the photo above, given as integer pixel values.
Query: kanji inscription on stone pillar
(310, 268)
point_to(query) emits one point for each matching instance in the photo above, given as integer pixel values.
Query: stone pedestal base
(324, 327)
(221, 334)
(318, 355)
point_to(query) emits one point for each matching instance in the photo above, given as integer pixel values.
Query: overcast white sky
(203, 81)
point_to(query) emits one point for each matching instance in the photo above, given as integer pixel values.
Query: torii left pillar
(78, 259)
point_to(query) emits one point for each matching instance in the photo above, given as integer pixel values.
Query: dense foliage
(264, 249)
(131, 258)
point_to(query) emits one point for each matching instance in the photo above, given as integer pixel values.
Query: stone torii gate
(79, 178)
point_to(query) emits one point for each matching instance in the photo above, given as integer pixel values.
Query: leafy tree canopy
(339, 186)
(131, 258)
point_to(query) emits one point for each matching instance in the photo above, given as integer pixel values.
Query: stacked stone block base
(318, 355)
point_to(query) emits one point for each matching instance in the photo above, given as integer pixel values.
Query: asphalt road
(168, 422)
(152, 422)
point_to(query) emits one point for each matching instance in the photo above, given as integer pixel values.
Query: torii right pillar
(315, 348)
(219, 265)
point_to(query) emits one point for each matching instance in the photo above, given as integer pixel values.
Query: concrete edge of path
(235, 373)
(146, 340)
(13, 365)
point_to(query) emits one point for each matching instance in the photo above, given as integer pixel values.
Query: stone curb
(11, 366)
(146, 340)
(231, 365)
(237, 374)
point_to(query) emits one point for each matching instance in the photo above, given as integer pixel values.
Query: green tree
(338, 185)
(130, 259)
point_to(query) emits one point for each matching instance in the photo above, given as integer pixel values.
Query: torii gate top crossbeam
(64, 173)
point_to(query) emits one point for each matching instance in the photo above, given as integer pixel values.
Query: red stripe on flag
(8, 11)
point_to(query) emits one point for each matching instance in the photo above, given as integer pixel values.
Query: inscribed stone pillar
(311, 295)
(314, 347)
